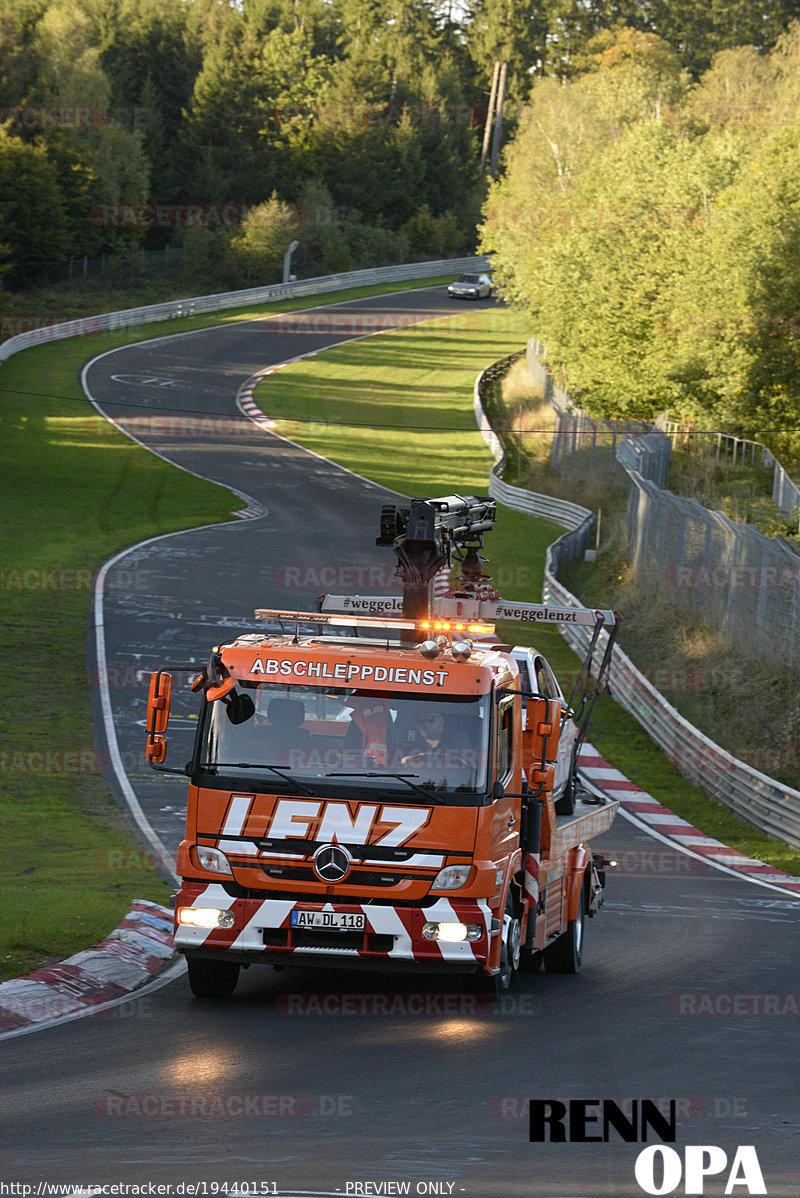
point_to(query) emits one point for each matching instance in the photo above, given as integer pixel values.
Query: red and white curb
(244, 396)
(130, 956)
(669, 826)
(246, 403)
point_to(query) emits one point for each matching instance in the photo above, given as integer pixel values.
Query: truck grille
(355, 877)
(355, 942)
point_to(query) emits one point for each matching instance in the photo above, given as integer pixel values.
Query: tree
(151, 53)
(257, 248)
(34, 228)
(69, 67)
(248, 130)
(511, 31)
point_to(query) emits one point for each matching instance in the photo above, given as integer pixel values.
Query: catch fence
(744, 584)
(735, 451)
(585, 448)
(768, 805)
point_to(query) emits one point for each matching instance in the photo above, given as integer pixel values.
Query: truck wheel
(498, 984)
(212, 979)
(565, 954)
(511, 949)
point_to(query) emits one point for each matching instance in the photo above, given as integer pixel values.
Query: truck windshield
(313, 734)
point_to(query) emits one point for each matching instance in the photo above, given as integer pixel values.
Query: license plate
(347, 921)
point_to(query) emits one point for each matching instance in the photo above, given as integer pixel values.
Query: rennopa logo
(659, 1169)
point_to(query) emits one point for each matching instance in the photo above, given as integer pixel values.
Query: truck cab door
(507, 780)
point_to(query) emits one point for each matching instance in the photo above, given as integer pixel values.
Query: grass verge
(76, 491)
(400, 413)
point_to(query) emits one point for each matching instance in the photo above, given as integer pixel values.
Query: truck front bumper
(261, 930)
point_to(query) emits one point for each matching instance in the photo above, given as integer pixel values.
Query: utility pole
(487, 129)
(498, 125)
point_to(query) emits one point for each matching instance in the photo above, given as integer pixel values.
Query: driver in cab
(429, 743)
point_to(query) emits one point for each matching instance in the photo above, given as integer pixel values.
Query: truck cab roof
(375, 665)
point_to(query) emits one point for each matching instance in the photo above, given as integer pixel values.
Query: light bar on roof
(464, 627)
(314, 617)
(432, 626)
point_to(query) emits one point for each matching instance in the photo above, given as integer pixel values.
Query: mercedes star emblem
(332, 863)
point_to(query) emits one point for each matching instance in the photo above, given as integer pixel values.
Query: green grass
(347, 404)
(75, 492)
(403, 412)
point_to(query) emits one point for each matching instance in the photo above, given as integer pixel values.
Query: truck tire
(510, 949)
(565, 954)
(212, 979)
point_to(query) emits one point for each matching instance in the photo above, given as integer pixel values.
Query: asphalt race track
(333, 1083)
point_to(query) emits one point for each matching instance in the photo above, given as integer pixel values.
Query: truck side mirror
(158, 704)
(239, 708)
(542, 726)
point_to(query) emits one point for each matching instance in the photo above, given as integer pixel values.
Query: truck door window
(504, 757)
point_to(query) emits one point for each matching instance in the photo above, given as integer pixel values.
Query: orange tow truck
(375, 790)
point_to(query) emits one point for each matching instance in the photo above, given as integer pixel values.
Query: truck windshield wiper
(380, 774)
(255, 765)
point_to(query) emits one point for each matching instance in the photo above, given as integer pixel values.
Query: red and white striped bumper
(262, 931)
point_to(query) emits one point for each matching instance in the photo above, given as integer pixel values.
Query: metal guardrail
(561, 511)
(173, 309)
(784, 492)
(755, 797)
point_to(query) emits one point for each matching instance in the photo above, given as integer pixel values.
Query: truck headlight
(452, 932)
(205, 917)
(452, 877)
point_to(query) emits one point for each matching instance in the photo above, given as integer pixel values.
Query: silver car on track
(471, 287)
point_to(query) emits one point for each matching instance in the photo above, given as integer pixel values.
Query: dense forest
(649, 221)
(353, 126)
